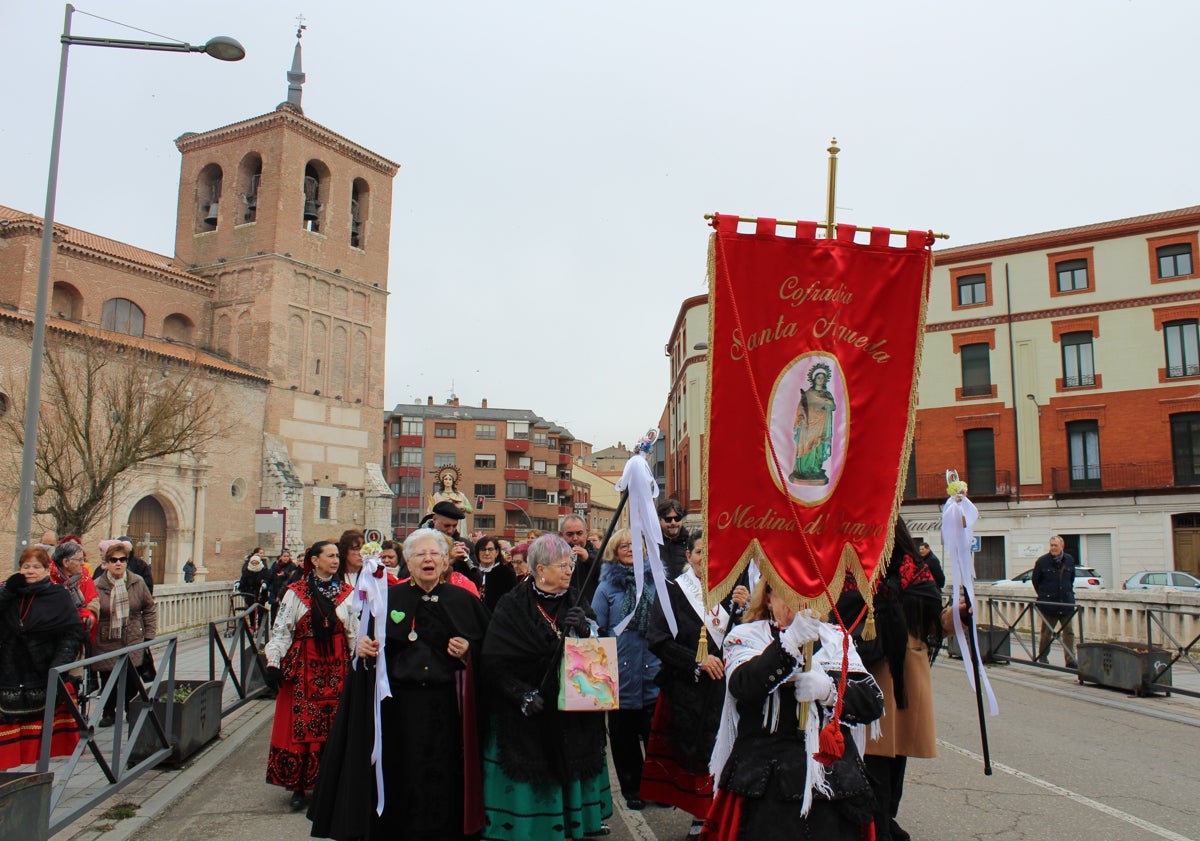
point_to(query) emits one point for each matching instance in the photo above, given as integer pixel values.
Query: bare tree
(107, 408)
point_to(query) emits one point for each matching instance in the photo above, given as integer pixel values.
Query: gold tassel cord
(702, 646)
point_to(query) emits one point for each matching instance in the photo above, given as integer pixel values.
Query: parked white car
(1152, 580)
(1086, 578)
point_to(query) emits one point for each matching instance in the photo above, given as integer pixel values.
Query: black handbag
(146, 671)
(22, 700)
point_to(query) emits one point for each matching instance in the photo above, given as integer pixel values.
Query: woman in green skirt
(545, 775)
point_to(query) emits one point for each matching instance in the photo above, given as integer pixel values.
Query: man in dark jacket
(1054, 581)
(675, 537)
(574, 531)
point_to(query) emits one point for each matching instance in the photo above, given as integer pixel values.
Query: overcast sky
(557, 156)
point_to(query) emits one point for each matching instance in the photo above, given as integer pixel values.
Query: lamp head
(224, 48)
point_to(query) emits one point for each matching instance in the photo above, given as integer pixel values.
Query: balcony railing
(933, 486)
(1138, 476)
(1079, 380)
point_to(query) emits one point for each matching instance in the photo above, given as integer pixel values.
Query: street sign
(976, 544)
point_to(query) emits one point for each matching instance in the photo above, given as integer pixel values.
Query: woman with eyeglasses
(497, 576)
(615, 599)
(307, 657)
(545, 774)
(428, 727)
(39, 629)
(128, 615)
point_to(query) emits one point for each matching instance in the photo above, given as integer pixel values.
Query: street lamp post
(528, 519)
(221, 47)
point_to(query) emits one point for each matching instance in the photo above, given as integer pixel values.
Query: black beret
(448, 509)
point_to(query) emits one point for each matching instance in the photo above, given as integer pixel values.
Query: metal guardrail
(1179, 651)
(113, 764)
(251, 630)
(1016, 619)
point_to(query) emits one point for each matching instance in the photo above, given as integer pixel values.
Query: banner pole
(791, 223)
(831, 189)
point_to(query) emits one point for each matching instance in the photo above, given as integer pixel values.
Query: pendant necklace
(412, 635)
(553, 623)
(25, 608)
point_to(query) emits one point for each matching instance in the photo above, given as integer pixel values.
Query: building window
(485, 431)
(1072, 275)
(485, 490)
(444, 430)
(395, 459)
(1185, 447)
(539, 494)
(516, 490)
(1174, 260)
(1078, 365)
(410, 457)
(443, 459)
(485, 522)
(976, 370)
(910, 477)
(524, 462)
(980, 445)
(972, 290)
(518, 430)
(410, 486)
(485, 461)
(316, 194)
(208, 198)
(408, 518)
(540, 439)
(395, 488)
(539, 467)
(395, 429)
(323, 508)
(123, 316)
(359, 208)
(1183, 348)
(412, 426)
(1083, 453)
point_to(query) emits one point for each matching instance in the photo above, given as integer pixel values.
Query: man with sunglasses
(675, 537)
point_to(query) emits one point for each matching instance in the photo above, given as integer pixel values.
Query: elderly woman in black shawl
(544, 771)
(908, 615)
(39, 629)
(428, 726)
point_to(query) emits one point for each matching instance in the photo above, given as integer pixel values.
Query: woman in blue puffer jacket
(616, 598)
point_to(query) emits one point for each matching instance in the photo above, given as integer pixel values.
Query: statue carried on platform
(450, 476)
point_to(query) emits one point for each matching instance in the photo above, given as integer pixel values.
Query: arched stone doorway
(148, 528)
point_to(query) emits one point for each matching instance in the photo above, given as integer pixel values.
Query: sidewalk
(158, 787)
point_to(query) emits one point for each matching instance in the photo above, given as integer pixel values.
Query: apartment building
(515, 466)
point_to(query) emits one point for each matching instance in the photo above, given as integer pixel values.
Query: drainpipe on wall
(1012, 376)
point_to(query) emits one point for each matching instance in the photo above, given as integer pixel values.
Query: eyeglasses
(488, 549)
(621, 546)
(420, 556)
(672, 519)
(118, 559)
(566, 566)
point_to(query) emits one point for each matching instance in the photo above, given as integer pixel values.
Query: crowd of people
(718, 707)
(56, 610)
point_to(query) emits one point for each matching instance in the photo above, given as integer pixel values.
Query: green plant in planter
(181, 694)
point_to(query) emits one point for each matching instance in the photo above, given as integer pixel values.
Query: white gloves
(815, 685)
(804, 628)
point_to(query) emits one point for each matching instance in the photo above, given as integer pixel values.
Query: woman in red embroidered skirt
(307, 659)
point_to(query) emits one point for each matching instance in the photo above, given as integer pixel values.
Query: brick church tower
(290, 221)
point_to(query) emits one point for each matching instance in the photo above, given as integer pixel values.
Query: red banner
(814, 346)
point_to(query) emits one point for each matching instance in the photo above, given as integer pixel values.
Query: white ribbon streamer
(638, 482)
(370, 599)
(958, 533)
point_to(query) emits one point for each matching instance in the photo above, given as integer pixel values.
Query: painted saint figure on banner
(809, 412)
(813, 428)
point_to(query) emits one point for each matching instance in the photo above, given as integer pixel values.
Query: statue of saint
(813, 430)
(450, 476)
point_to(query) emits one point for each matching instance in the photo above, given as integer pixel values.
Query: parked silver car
(1152, 580)
(1086, 578)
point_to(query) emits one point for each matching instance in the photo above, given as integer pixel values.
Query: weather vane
(300, 26)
